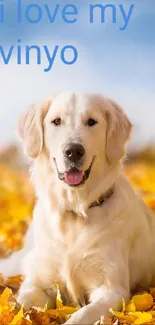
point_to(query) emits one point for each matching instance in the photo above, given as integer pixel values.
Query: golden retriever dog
(93, 235)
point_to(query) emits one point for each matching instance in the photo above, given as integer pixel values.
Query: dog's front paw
(32, 298)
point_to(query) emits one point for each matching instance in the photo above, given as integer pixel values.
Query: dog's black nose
(74, 152)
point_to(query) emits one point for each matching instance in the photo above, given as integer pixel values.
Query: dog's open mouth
(75, 176)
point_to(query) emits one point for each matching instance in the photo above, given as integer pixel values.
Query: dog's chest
(71, 225)
(81, 260)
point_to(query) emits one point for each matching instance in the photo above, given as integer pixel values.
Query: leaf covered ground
(16, 205)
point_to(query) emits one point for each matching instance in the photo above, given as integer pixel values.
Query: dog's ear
(30, 129)
(118, 132)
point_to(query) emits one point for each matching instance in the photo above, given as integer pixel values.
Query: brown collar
(103, 198)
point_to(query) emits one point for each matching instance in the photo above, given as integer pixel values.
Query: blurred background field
(17, 197)
(16, 200)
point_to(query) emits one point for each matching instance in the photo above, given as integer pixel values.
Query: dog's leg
(31, 295)
(102, 299)
(39, 286)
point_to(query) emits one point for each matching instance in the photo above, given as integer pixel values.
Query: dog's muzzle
(74, 176)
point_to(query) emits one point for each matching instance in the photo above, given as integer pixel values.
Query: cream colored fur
(96, 255)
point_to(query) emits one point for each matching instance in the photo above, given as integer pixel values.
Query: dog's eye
(91, 122)
(57, 121)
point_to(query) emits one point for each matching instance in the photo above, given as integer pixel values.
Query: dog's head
(78, 132)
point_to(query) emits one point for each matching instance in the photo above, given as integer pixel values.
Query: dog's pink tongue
(74, 177)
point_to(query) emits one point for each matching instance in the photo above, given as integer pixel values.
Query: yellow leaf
(5, 296)
(59, 303)
(152, 312)
(142, 302)
(130, 308)
(17, 317)
(123, 305)
(117, 314)
(129, 318)
(143, 318)
(62, 313)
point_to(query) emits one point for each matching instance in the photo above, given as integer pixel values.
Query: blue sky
(118, 64)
